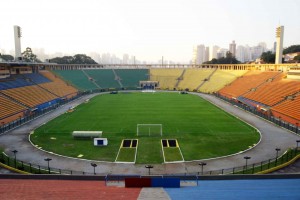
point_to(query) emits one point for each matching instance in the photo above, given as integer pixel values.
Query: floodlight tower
(279, 44)
(18, 35)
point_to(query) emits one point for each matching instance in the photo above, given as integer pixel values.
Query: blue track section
(239, 189)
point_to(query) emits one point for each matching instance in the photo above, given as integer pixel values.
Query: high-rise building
(221, 53)
(263, 45)
(213, 52)
(240, 53)
(132, 60)
(113, 59)
(194, 58)
(256, 52)
(232, 48)
(206, 54)
(106, 58)
(94, 55)
(246, 53)
(248, 56)
(18, 35)
(279, 44)
(125, 59)
(199, 54)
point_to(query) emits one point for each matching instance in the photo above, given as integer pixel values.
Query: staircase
(205, 80)
(117, 78)
(94, 82)
(180, 78)
(287, 98)
(254, 89)
(40, 86)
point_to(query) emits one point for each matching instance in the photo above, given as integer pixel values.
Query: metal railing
(251, 168)
(254, 168)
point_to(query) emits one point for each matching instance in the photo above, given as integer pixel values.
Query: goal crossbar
(159, 126)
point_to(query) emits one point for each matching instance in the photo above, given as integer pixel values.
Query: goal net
(149, 130)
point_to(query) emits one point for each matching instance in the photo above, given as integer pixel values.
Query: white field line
(178, 161)
(119, 151)
(122, 161)
(162, 148)
(180, 152)
(136, 149)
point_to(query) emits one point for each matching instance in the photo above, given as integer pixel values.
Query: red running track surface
(63, 189)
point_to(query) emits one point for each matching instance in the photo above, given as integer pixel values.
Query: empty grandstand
(167, 78)
(193, 78)
(57, 86)
(268, 91)
(269, 94)
(77, 78)
(288, 110)
(104, 78)
(250, 81)
(23, 93)
(10, 110)
(273, 92)
(220, 79)
(31, 96)
(130, 78)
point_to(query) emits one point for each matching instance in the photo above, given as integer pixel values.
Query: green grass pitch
(126, 155)
(172, 154)
(202, 129)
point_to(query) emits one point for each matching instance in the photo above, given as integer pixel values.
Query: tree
(231, 59)
(292, 49)
(214, 61)
(62, 60)
(268, 57)
(297, 58)
(76, 59)
(83, 59)
(29, 56)
(7, 57)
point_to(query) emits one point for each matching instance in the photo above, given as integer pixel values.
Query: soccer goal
(149, 130)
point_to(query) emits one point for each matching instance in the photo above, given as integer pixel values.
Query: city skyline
(243, 53)
(147, 30)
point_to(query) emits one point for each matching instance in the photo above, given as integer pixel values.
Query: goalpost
(149, 129)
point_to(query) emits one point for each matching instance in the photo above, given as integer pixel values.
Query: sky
(148, 29)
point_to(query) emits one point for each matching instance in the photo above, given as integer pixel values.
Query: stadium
(137, 120)
(224, 126)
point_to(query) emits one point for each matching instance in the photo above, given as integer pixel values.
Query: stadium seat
(245, 83)
(192, 78)
(167, 78)
(58, 87)
(9, 107)
(77, 78)
(130, 78)
(220, 79)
